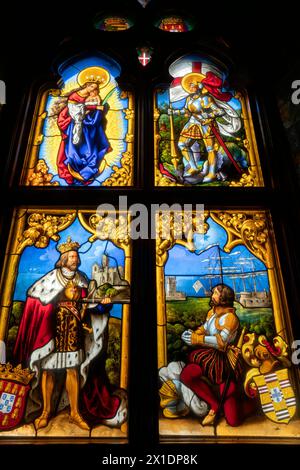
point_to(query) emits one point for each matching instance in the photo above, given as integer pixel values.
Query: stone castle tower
(105, 273)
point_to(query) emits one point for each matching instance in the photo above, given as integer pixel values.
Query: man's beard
(213, 303)
(72, 267)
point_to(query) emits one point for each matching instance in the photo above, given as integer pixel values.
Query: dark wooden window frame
(279, 196)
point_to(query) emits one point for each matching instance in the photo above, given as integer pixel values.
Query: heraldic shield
(14, 388)
(276, 396)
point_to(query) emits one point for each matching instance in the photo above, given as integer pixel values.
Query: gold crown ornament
(69, 245)
(17, 374)
(94, 75)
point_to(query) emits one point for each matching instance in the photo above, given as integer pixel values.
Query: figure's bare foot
(42, 421)
(79, 421)
(209, 418)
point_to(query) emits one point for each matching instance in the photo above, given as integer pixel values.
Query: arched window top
(82, 132)
(204, 133)
(174, 24)
(197, 63)
(70, 69)
(113, 23)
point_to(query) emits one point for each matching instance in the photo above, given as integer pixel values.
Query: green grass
(216, 183)
(182, 315)
(200, 306)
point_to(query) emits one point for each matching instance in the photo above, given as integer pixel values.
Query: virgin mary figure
(81, 122)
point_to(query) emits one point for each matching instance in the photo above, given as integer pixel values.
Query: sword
(225, 148)
(222, 143)
(96, 300)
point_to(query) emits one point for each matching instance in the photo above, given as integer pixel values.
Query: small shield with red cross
(144, 55)
(14, 388)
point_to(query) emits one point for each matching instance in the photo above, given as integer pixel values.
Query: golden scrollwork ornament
(41, 227)
(249, 229)
(122, 176)
(178, 227)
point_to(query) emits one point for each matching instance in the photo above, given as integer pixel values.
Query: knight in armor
(212, 364)
(204, 104)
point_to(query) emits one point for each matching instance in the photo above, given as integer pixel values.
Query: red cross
(144, 59)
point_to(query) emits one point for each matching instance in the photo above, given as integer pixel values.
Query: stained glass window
(223, 330)
(113, 23)
(81, 302)
(174, 24)
(64, 320)
(203, 129)
(83, 132)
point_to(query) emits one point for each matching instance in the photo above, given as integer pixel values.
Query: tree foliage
(112, 364)
(191, 313)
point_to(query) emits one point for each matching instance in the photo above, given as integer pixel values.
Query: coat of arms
(276, 395)
(268, 377)
(14, 388)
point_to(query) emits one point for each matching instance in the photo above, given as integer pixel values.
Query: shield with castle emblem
(14, 388)
(276, 395)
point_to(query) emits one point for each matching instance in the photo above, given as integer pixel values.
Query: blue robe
(86, 156)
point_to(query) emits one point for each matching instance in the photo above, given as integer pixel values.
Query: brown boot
(47, 385)
(42, 421)
(209, 418)
(79, 421)
(72, 386)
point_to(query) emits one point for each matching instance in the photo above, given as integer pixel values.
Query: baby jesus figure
(79, 110)
(93, 99)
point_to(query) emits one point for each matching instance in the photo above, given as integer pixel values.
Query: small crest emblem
(276, 395)
(14, 388)
(144, 55)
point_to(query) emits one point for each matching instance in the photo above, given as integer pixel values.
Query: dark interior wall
(261, 50)
(262, 46)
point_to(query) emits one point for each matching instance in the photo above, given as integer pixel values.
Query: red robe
(86, 155)
(36, 330)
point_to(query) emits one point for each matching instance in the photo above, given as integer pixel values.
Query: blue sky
(68, 71)
(36, 262)
(209, 257)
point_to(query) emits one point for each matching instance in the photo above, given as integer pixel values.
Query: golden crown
(94, 75)
(68, 246)
(17, 374)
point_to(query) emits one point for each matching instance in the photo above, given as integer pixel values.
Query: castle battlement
(105, 273)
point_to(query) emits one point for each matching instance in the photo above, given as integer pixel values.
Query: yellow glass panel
(82, 132)
(226, 368)
(64, 327)
(203, 130)
(113, 23)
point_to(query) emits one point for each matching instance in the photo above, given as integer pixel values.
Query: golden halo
(94, 75)
(192, 77)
